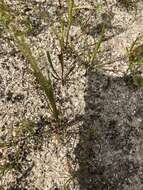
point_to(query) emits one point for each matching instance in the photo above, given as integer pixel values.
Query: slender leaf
(70, 18)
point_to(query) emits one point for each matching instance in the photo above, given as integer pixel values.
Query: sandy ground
(101, 147)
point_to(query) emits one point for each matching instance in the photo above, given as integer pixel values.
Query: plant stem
(70, 18)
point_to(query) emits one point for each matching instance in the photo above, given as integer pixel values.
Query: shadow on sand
(108, 151)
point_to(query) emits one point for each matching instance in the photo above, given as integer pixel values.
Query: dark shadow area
(128, 4)
(108, 150)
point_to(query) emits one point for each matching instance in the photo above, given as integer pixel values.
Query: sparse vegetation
(17, 147)
(69, 58)
(9, 20)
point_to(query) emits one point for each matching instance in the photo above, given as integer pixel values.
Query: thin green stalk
(95, 51)
(51, 65)
(61, 40)
(69, 72)
(46, 84)
(70, 18)
(61, 56)
(19, 37)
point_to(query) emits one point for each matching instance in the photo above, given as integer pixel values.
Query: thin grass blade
(51, 64)
(95, 52)
(70, 18)
(45, 83)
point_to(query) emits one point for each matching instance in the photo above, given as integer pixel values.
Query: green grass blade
(51, 64)
(70, 18)
(19, 38)
(61, 44)
(95, 52)
(61, 56)
(45, 83)
(70, 71)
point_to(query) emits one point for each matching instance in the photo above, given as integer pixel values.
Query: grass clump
(67, 43)
(64, 42)
(27, 129)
